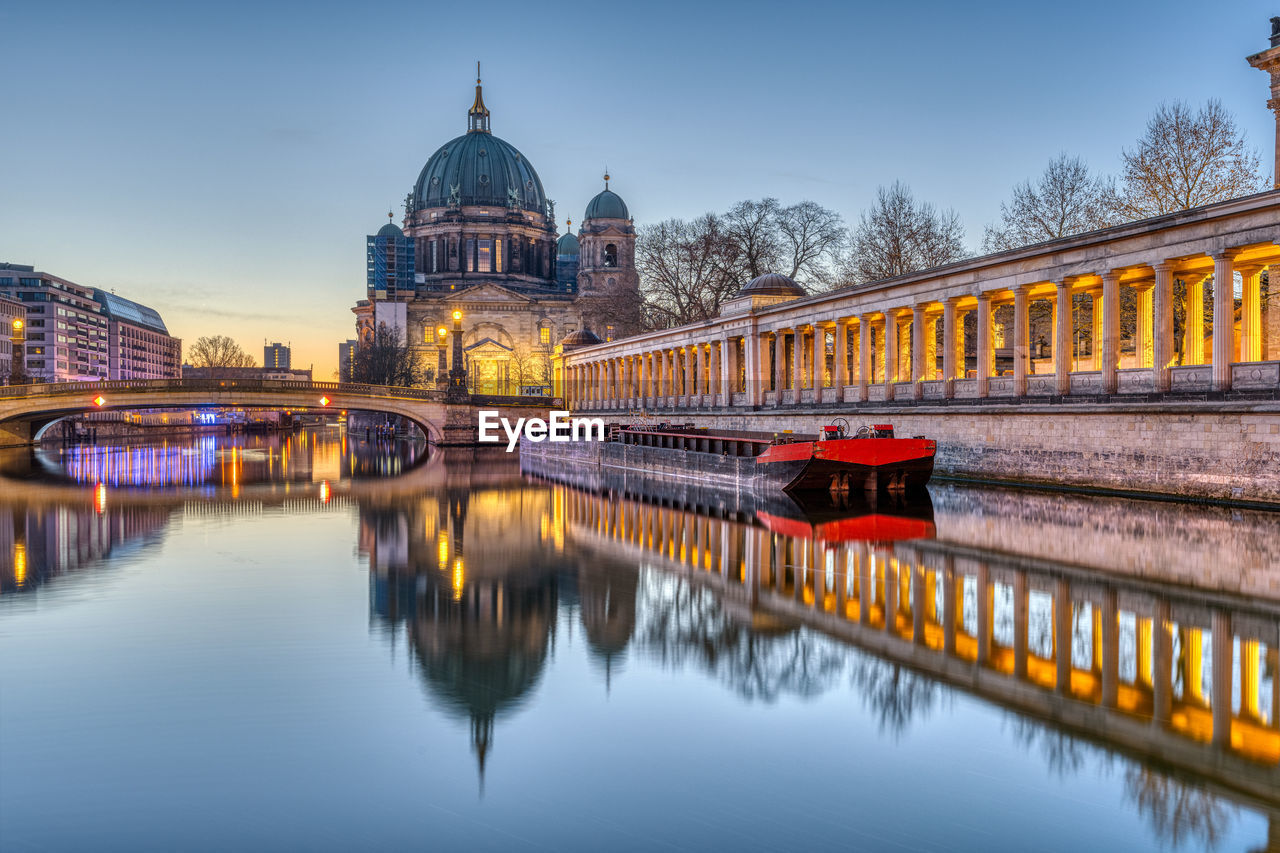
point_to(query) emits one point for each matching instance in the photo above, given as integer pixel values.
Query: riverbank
(1210, 451)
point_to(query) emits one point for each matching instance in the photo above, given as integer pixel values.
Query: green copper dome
(568, 245)
(479, 168)
(607, 205)
(390, 230)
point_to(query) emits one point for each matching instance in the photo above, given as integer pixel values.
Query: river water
(316, 643)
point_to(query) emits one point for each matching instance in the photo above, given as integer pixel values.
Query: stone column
(890, 352)
(779, 365)
(840, 375)
(1110, 331)
(1193, 343)
(1162, 327)
(1062, 624)
(917, 350)
(1250, 314)
(797, 363)
(1062, 339)
(1095, 329)
(819, 368)
(864, 356)
(1222, 654)
(1143, 349)
(1110, 640)
(1161, 666)
(949, 365)
(986, 355)
(725, 356)
(1224, 318)
(1021, 339)
(754, 372)
(692, 370)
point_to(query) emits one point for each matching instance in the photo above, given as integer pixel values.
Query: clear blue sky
(224, 162)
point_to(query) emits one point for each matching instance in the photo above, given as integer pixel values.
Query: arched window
(611, 255)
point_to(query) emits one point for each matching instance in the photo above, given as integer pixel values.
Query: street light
(17, 366)
(457, 374)
(442, 365)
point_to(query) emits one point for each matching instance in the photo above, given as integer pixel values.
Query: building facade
(11, 312)
(277, 355)
(82, 334)
(139, 345)
(67, 333)
(479, 239)
(346, 360)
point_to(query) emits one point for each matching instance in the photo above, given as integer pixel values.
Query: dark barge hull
(759, 462)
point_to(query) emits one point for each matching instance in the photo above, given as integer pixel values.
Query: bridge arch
(27, 411)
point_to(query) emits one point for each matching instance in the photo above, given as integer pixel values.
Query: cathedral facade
(479, 238)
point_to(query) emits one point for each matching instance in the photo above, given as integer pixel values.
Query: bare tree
(387, 359)
(812, 239)
(899, 234)
(613, 305)
(802, 241)
(1187, 159)
(686, 270)
(218, 351)
(1064, 200)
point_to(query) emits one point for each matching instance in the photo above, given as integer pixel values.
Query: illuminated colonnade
(908, 337)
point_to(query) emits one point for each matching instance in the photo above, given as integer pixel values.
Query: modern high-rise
(346, 360)
(67, 331)
(276, 355)
(139, 345)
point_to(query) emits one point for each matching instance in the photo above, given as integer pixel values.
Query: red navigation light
(99, 400)
(324, 401)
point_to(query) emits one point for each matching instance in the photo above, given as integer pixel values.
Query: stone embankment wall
(1213, 451)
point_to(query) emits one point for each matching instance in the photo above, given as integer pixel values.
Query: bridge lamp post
(458, 374)
(442, 365)
(17, 367)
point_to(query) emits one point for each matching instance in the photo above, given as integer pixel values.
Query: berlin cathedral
(479, 237)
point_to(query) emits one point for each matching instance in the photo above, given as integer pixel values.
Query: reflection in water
(1170, 689)
(231, 461)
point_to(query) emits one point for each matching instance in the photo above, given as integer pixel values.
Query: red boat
(871, 459)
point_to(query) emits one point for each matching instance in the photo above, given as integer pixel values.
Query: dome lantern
(478, 115)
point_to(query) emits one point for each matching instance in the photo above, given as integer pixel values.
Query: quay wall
(1222, 451)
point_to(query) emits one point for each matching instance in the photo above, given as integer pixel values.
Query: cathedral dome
(607, 205)
(568, 245)
(771, 284)
(390, 230)
(479, 168)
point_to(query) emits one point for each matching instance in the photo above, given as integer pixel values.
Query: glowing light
(17, 325)
(324, 401)
(324, 492)
(99, 400)
(458, 578)
(457, 315)
(442, 547)
(442, 331)
(100, 498)
(19, 563)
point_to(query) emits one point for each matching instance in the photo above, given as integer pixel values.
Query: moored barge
(871, 459)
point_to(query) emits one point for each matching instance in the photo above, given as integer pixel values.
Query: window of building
(484, 256)
(611, 255)
(497, 256)
(471, 256)
(544, 335)
(608, 333)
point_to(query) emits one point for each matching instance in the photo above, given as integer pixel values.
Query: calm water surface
(316, 644)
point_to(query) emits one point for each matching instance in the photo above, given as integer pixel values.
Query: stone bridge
(27, 410)
(949, 351)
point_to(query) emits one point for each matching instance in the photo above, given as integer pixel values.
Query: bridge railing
(72, 389)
